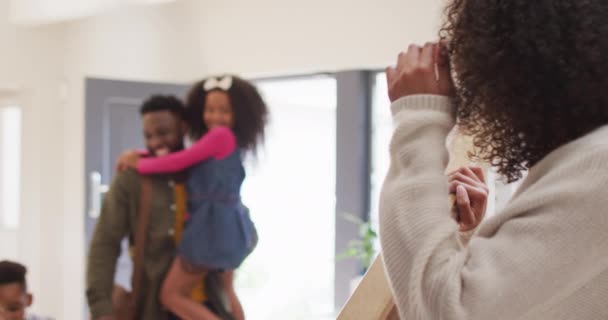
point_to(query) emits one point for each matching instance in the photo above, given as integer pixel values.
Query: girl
(227, 117)
(530, 87)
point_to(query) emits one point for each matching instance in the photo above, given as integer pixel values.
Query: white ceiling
(39, 12)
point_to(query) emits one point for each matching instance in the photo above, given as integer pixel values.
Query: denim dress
(219, 233)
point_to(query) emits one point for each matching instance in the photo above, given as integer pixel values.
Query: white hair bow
(218, 83)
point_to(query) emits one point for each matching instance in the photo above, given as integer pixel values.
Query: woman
(531, 88)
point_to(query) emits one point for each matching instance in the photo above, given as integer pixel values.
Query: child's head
(231, 102)
(14, 298)
(530, 76)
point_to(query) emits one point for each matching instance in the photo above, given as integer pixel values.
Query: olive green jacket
(118, 219)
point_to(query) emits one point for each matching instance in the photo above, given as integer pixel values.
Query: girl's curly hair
(249, 111)
(530, 75)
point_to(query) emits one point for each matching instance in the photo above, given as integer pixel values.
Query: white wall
(187, 39)
(274, 36)
(39, 12)
(32, 64)
(180, 42)
(36, 12)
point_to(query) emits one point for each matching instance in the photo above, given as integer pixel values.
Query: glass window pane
(290, 190)
(382, 130)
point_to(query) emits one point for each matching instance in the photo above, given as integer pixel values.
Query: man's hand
(469, 186)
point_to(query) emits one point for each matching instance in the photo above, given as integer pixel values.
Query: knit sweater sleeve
(545, 248)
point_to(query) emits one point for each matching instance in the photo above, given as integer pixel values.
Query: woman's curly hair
(530, 75)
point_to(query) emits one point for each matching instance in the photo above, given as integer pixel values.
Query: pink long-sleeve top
(218, 143)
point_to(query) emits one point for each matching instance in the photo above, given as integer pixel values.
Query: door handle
(97, 189)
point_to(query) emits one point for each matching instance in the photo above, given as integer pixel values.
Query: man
(14, 297)
(164, 131)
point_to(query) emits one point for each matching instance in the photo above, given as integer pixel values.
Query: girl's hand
(127, 160)
(420, 70)
(469, 186)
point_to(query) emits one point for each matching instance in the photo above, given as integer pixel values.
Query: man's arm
(113, 225)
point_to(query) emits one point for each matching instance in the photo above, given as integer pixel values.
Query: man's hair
(12, 272)
(163, 103)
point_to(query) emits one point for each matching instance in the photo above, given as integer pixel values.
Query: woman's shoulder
(575, 172)
(584, 154)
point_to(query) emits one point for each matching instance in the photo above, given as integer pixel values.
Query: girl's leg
(217, 297)
(235, 303)
(176, 289)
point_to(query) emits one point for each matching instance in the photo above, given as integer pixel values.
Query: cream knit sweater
(545, 256)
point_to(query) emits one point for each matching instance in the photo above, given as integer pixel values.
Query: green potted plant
(361, 248)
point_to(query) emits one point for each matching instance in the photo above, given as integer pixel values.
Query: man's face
(164, 132)
(13, 301)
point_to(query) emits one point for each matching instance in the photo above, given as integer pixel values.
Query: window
(382, 130)
(10, 159)
(290, 191)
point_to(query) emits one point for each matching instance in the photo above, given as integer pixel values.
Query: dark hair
(249, 111)
(163, 103)
(12, 272)
(530, 75)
